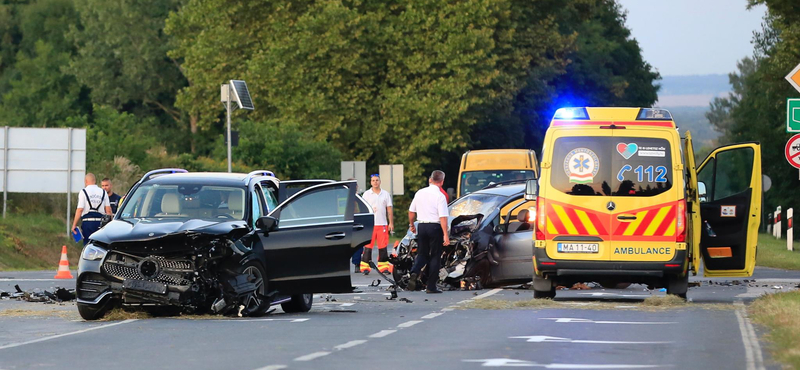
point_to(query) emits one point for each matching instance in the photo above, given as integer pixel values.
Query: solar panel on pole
(242, 94)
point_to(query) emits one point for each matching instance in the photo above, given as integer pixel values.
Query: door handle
(358, 227)
(335, 236)
(626, 217)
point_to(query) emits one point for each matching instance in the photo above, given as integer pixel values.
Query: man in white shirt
(92, 205)
(381, 202)
(429, 207)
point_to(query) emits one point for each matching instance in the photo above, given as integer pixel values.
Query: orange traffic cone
(63, 266)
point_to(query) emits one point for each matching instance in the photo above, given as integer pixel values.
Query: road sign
(792, 115)
(356, 170)
(794, 77)
(793, 151)
(392, 177)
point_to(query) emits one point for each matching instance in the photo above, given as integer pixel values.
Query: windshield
(475, 180)
(476, 203)
(185, 201)
(618, 166)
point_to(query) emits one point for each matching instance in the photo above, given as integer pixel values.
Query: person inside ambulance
(92, 205)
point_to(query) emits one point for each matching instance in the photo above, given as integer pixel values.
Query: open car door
(310, 250)
(729, 190)
(692, 204)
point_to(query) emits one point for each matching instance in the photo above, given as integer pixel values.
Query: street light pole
(228, 106)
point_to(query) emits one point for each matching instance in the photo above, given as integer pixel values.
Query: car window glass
(315, 207)
(730, 173)
(619, 166)
(472, 181)
(706, 176)
(270, 197)
(258, 210)
(473, 204)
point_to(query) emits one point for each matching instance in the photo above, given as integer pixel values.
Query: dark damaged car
(491, 240)
(222, 243)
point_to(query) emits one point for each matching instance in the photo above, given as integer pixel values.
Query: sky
(693, 37)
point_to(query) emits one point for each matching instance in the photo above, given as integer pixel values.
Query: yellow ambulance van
(481, 168)
(619, 199)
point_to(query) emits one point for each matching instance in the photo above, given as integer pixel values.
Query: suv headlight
(92, 253)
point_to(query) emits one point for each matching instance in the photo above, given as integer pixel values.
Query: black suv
(223, 243)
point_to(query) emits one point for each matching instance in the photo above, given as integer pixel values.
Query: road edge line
(65, 334)
(752, 349)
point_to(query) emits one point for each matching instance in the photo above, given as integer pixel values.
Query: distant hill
(688, 99)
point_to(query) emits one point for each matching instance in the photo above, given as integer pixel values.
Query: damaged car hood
(142, 230)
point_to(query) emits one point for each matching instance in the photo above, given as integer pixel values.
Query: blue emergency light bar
(654, 114)
(571, 113)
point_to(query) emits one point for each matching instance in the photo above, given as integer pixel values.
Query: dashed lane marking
(382, 333)
(349, 344)
(273, 367)
(588, 321)
(432, 315)
(12, 345)
(312, 356)
(489, 293)
(409, 324)
(752, 349)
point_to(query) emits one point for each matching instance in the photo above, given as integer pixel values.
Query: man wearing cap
(429, 207)
(381, 202)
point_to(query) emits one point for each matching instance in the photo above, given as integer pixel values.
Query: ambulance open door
(729, 195)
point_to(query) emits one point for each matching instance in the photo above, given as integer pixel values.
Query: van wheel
(539, 294)
(299, 303)
(678, 285)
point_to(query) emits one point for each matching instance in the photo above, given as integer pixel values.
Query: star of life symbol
(581, 165)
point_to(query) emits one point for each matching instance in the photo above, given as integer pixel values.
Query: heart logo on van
(627, 150)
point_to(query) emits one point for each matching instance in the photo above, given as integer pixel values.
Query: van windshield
(473, 181)
(618, 166)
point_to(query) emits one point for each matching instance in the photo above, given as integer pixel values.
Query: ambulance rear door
(692, 204)
(729, 190)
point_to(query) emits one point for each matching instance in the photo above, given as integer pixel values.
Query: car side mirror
(701, 192)
(531, 189)
(267, 223)
(105, 219)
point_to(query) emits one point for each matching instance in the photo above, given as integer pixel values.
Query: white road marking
(544, 338)
(273, 367)
(600, 294)
(508, 362)
(312, 356)
(464, 301)
(382, 333)
(409, 324)
(432, 315)
(252, 320)
(489, 293)
(12, 345)
(347, 304)
(752, 349)
(449, 308)
(349, 344)
(587, 321)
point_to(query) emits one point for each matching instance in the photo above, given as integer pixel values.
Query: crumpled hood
(142, 229)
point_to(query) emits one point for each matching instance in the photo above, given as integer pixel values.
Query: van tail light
(540, 219)
(681, 221)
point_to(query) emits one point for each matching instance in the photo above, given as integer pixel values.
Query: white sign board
(356, 170)
(42, 160)
(392, 178)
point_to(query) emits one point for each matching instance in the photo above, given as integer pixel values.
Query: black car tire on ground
(299, 303)
(678, 285)
(538, 294)
(95, 311)
(257, 303)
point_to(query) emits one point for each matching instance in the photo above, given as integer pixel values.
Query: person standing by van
(92, 205)
(381, 202)
(429, 207)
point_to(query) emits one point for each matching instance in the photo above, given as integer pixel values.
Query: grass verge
(33, 242)
(772, 253)
(655, 303)
(778, 313)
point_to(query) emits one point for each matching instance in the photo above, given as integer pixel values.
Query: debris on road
(54, 295)
(404, 299)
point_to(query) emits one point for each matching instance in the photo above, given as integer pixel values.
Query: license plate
(578, 247)
(145, 286)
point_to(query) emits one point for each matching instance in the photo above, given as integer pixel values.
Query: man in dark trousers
(113, 199)
(92, 205)
(429, 207)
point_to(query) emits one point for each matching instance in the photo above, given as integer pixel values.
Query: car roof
(503, 190)
(206, 178)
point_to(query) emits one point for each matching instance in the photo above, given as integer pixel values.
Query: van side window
(723, 175)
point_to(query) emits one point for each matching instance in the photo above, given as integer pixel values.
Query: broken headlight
(92, 253)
